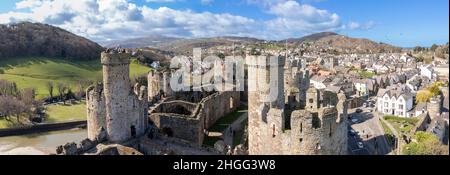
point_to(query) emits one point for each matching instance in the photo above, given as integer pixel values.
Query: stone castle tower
(116, 107)
(319, 128)
(266, 118)
(159, 85)
(434, 107)
(296, 83)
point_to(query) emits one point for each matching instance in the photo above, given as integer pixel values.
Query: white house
(361, 87)
(427, 71)
(392, 102)
(319, 82)
(381, 68)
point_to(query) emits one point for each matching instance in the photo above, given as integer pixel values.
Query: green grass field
(402, 124)
(9, 124)
(37, 72)
(64, 113)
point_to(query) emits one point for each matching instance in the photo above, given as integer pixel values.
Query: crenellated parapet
(115, 57)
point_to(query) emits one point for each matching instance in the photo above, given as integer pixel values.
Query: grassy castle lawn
(402, 124)
(37, 72)
(9, 124)
(64, 113)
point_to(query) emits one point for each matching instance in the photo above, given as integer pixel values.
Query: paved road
(369, 132)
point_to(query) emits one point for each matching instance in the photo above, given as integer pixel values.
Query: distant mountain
(148, 41)
(346, 44)
(35, 39)
(241, 39)
(310, 38)
(318, 41)
(342, 44)
(179, 45)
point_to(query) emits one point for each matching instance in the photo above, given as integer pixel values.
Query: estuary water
(39, 144)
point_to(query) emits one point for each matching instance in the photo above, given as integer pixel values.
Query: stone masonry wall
(96, 111)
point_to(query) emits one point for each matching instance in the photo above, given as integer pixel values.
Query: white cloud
(103, 20)
(359, 26)
(116, 19)
(160, 0)
(206, 2)
(294, 19)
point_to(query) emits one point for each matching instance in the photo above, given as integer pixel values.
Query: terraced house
(398, 102)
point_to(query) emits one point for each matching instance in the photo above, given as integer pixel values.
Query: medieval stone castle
(310, 123)
(151, 118)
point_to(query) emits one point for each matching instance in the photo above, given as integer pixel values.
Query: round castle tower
(434, 107)
(125, 107)
(263, 127)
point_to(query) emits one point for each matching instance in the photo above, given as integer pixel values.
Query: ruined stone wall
(180, 126)
(219, 105)
(186, 120)
(96, 111)
(154, 85)
(187, 124)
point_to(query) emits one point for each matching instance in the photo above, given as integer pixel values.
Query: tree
(62, 90)
(11, 106)
(50, 87)
(27, 96)
(423, 96)
(419, 58)
(434, 88)
(425, 144)
(434, 47)
(8, 88)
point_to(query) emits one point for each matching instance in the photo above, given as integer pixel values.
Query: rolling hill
(41, 40)
(148, 41)
(343, 44)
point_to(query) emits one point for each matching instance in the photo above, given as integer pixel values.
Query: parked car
(359, 110)
(353, 132)
(360, 145)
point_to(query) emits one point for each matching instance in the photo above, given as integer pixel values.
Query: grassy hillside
(37, 72)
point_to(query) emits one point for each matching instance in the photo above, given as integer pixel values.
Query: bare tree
(11, 106)
(61, 90)
(8, 88)
(50, 87)
(81, 88)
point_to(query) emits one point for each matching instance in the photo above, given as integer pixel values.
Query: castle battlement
(277, 61)
(115, 57)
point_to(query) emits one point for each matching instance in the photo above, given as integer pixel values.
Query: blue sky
(404, 23)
